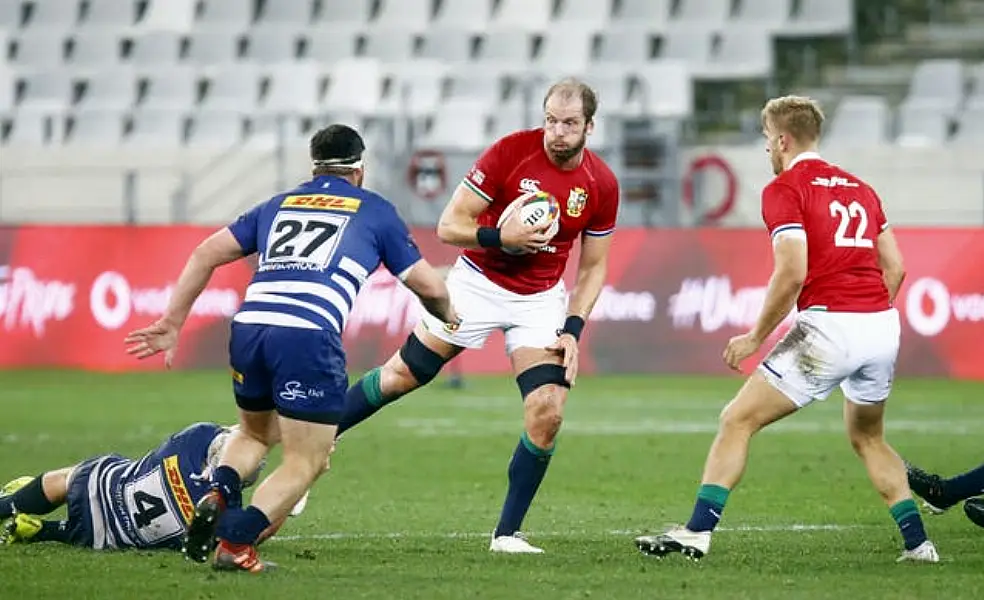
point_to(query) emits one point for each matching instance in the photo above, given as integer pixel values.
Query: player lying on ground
(509, 279)
(317, 245)
(118, 502)
(846, 332)
(940, 493)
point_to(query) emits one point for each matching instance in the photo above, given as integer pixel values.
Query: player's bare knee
(307, 465)
(395, 378)
(544, 415)
(736, 419)
(543, 388)
(864, 440)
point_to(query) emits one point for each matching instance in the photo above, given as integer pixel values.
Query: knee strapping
(536, 377)
(424, 363)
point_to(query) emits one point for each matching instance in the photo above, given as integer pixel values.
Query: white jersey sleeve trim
(599, 232)
(786, 227)
(788, 234)
(467, 182)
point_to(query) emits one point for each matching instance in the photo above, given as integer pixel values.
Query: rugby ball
(537, 209)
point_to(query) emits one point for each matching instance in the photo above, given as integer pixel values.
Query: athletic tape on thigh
(539, 376)
(424, 363)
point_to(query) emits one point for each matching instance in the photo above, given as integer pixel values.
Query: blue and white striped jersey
(317, 245)
(147, 503)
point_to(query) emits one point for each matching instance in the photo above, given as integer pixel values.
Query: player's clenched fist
(739, 348)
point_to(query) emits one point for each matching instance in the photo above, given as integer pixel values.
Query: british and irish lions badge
(576, 201)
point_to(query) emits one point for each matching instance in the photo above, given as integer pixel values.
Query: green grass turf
(406, 510)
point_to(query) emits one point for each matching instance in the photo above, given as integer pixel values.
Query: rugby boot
(931, 488)
(200, 538)
(692, 544)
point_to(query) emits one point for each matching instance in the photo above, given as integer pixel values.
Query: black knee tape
(424, 363)
(539, 376)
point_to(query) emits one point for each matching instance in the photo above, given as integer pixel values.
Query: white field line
(459, 427)
(425, 535)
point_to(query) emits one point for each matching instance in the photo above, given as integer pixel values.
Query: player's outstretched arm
(162, 336)
(890, 259)
(218, 249)
(424, 281)
(458, 226)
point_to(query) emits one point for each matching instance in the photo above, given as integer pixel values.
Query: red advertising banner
(68, 295)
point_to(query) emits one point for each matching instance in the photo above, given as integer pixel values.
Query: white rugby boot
(924, 552)
(692, 544)
(513, 544)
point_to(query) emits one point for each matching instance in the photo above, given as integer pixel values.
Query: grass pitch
(413, 493)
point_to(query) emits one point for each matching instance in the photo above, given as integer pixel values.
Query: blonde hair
(798, 116)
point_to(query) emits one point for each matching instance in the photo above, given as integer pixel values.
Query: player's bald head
(798, 116)
(571, 89)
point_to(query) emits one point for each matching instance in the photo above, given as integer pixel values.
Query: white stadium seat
(225, 14)
(859, 121)
(157, 128)
(114, 89)
(109, 14)
(414, 15)
(707, 13)
(95, 127)
(467, 16)
(530, 15)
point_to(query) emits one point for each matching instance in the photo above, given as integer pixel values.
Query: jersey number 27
(849, 213)
(304, 238)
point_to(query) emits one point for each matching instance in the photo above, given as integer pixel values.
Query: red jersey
(841, 217)
(517, 164)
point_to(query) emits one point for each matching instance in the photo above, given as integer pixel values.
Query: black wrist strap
(489, 237)
(574, 325)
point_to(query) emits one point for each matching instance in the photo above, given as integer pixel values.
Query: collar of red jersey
(803, 156)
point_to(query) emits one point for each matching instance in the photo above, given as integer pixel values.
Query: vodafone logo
(113, 301)
(109, 300)
(929, 307)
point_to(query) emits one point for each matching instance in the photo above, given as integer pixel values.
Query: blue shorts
(300, 373)
(90, 504)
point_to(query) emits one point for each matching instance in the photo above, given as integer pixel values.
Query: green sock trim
(534, 449)
(715, 494)
(371, 387)
(904, 509)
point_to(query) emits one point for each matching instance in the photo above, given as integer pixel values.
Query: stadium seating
(66, 65)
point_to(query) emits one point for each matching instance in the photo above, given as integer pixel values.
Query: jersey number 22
(848, 213)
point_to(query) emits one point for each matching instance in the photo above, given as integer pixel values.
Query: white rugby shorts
(530, 320)
(822, 350)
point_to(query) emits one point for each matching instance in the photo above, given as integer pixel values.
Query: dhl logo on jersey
(178, 489)
(322, 202)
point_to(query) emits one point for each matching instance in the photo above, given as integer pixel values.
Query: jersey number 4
(149, 507)
(848, 213)
(296, 237)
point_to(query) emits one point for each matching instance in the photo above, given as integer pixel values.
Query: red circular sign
(701, 163)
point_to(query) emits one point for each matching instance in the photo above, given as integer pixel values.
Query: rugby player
(116, 502)
(940, 494)
(509, 279)
(837, 261)
(317, 245)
